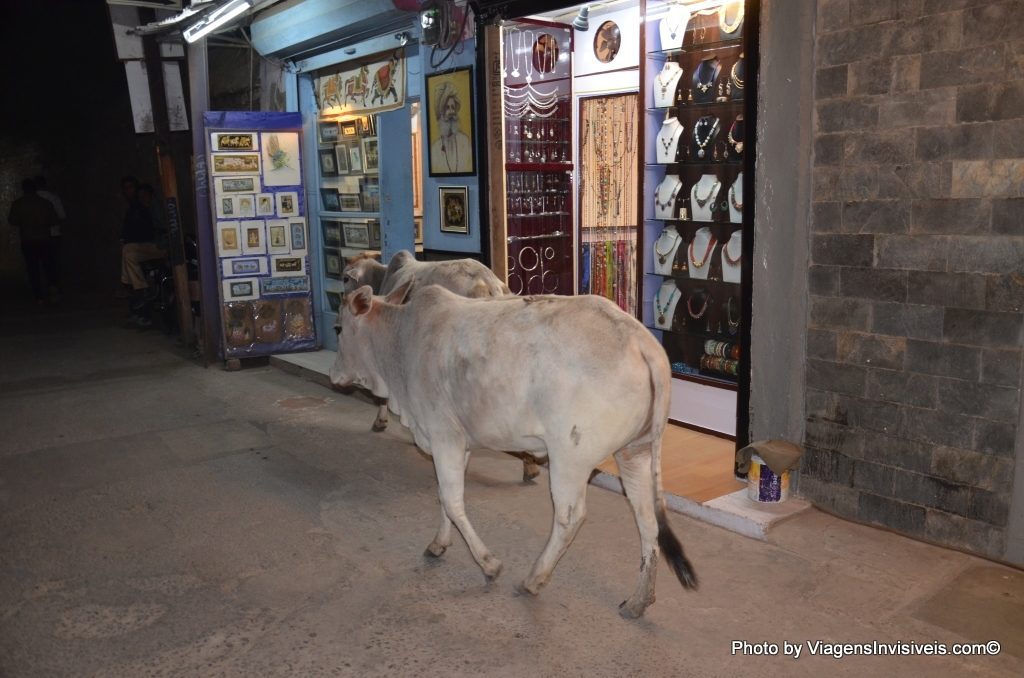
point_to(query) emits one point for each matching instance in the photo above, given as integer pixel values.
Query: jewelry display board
(537, 115)
(693, 191)
(260, 230)
(608, 195)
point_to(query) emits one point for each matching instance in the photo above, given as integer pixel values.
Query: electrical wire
(449, 39)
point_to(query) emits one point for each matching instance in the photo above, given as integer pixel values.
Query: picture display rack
(693, 188)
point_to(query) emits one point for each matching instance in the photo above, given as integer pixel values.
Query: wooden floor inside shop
(694, 465)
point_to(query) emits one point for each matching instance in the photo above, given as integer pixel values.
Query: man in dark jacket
(34, 216)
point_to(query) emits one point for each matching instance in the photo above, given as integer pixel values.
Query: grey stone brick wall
(915, 325)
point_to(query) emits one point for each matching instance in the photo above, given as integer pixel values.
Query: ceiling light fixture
(581, 22)
(216, 19)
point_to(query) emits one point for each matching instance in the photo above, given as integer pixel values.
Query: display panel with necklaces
(696, 79)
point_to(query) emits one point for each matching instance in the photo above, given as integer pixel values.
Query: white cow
(571, 378)
(466, 277)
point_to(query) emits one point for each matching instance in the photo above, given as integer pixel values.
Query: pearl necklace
(724, 24)
(674, 237)
(671, 198)
(657, 303)
(712, 130)
(707, 253)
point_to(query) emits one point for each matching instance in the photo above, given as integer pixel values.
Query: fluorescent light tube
(216, 19)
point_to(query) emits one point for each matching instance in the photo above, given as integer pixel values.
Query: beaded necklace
(697, 315)
(657, 303)
(707, 253)
(673, 240)
(701, 202)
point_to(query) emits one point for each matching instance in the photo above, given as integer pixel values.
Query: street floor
(162, 519)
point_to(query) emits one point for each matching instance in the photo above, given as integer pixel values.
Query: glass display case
(693, 187)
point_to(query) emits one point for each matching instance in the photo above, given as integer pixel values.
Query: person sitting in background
(138, 238)
(34, 216)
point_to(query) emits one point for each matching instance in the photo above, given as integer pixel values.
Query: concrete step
(734, 512)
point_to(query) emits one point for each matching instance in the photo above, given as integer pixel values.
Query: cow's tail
(670, 547)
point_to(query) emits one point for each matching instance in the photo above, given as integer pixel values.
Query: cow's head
(361, 270)
(359, 335)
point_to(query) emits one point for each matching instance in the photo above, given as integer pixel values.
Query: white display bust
(704, 197)
(673, 27)
(732, 252)
(667, 142)
(665, 83)
(736, 200)
(666, 299)
(665, 249)
(699, 252)
(666, 196)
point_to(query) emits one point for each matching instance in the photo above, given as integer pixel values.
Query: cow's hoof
(435, 550)
(379, 426)
(628, 609)
(491, 568)
(522, 589)
(530, 474)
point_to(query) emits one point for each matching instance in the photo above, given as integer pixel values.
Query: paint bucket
(764, 485)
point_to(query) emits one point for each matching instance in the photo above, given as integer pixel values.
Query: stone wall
(917, 254)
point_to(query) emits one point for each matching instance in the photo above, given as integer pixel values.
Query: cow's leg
(450, 466)
(638, 481)
(444, 536)
(381, 422)
(569, 496)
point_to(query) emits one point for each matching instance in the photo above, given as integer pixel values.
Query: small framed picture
(334, 265)
(417, 225)
(349, 129)
(341, 158)
(243, 266)
(328, 132)
(287, 203)
(264, 204)
(233, 141)
(328, 164)
(241, 289)
(334, 301)
(226, 206)
(229, 242)
(236, 185)
(330, 199)
(297, 235)
(277, 236)
(245, 204)
(366, 126)
(357, 234)
(332, 232)
(235, 163)
(350, 202)
(370, 158)
(355, 158)
(287, 265)
(454, 204)
(253, 237)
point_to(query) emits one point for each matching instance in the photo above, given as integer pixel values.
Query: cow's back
(464, 277)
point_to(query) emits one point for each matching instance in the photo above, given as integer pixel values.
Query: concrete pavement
(161, 519)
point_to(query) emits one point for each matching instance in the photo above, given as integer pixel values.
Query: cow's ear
(360, 301)
(399, 295)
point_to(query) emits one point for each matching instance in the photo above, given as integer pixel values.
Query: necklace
(526, 54)
(734, 74)
(697, 315)
(682, 17)
(707, 253)
(724, 24)
(673, 71)
(737, 144)
(713, 190)
(712, 128)
(712, 64)
(675, 129)
(667, 205)
(728, 257)
(657, 303)
(737, 203)
(512, 51)
(733, 324)
(674, 239)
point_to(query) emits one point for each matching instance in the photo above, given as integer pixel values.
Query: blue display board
(261, 232)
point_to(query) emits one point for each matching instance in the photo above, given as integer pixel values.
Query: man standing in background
(55, 231)
(34, 216)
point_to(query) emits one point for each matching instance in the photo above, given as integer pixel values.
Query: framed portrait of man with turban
(450, 123)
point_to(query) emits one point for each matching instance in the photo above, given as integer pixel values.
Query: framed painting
(233, 141)
(328, 131)
(236, 185)
(341, 158)
(297, 236)
(228, 239)
(227, 207)
(280, 158)
(334, 301)
(245, 204)
(264, 204)
(329, 196)
(254, 239)
(350, 128)
(357, 234)
(453, 201)
(371, 161)
(277, 236)
(241, 289)
(235, 163)
(450, 123)
(328, 163)
(417, 224)
(331, 230)
(238, 266)
(350, 202)
(287, 266)
(355, 157)
(334, 265)
(287, 203)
